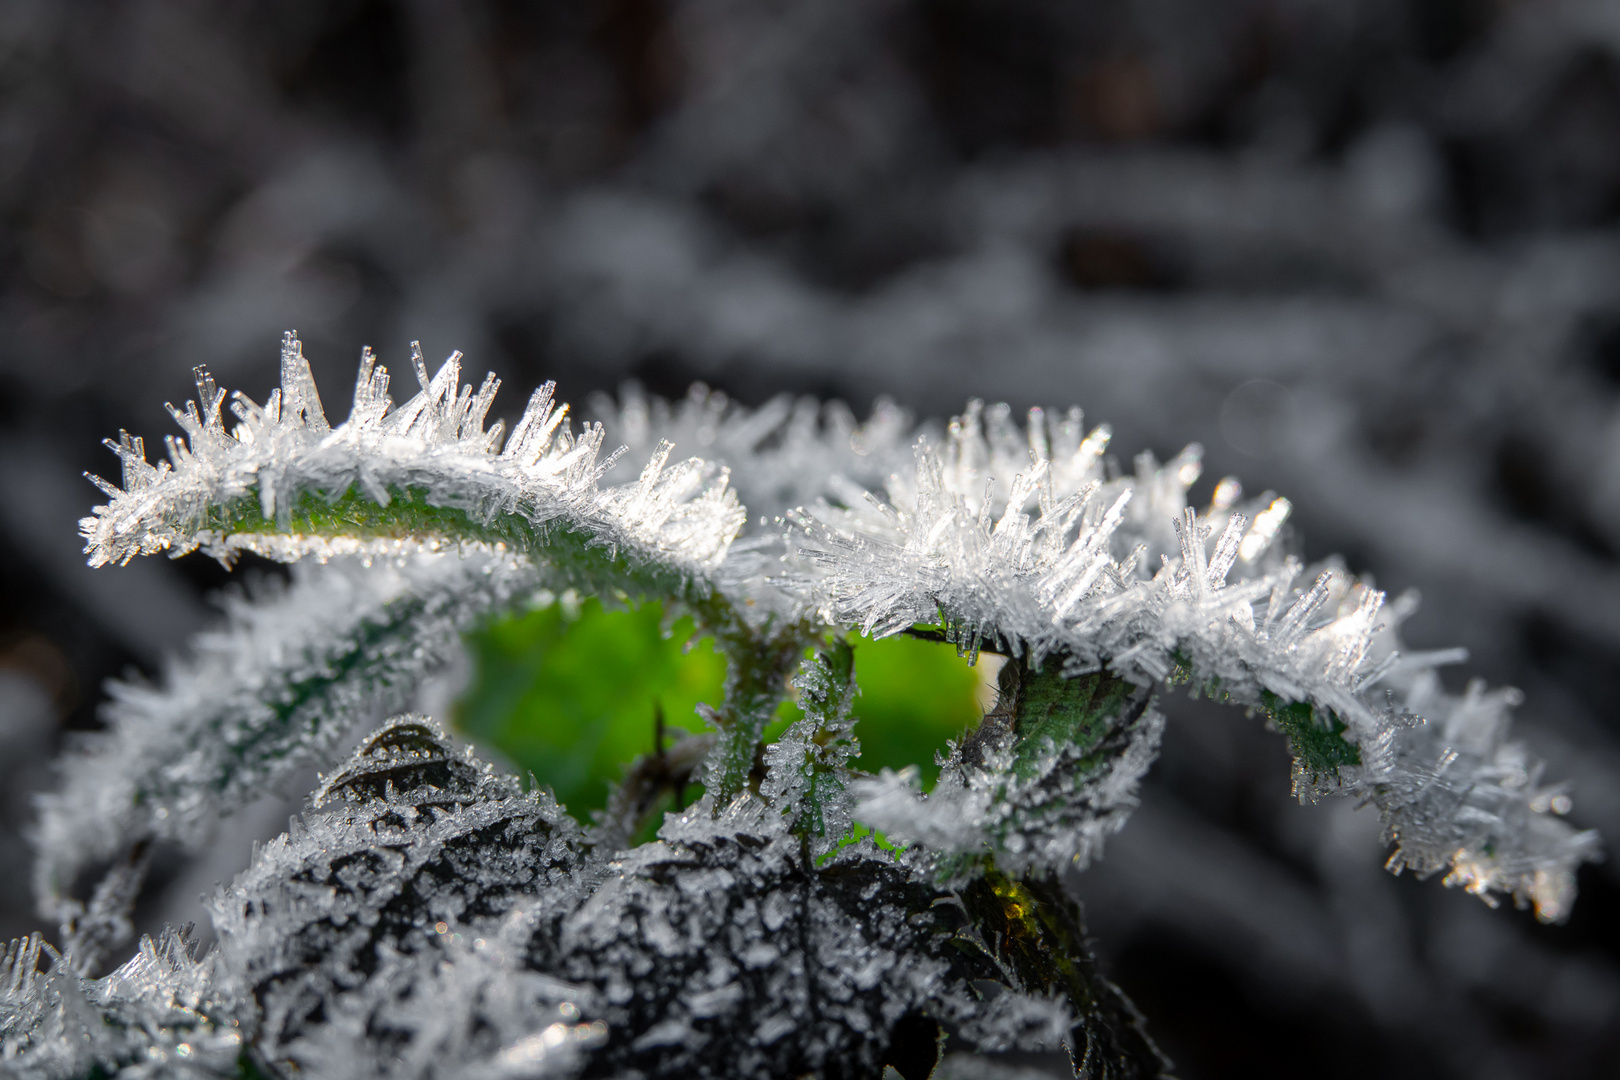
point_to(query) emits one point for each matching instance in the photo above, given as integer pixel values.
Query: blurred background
(1367, 252)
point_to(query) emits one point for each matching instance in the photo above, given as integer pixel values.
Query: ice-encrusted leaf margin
(1023, 540)
(284, 483)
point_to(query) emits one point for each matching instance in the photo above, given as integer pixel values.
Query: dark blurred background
(1366, 251)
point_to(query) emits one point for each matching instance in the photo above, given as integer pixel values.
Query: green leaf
(1315, 736)
(573, 695)
(1081, 712)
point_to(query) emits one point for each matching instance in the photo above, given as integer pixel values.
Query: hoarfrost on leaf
(280, 685)
(284, 483)
(428, 916)
(384, 934)
(1054, 568)
(160, 1014)
(807, 771)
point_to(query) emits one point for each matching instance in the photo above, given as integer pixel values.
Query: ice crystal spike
(160, 1014)
(783, 455)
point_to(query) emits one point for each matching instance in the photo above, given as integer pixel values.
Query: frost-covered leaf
(1038, 934)
(279, 686)
(383, 935)
(428, 918)
(1021, 541)
(160, 1014)
(807, 769)
(1046, 777)
(761, 661)
(284, 483)
(722, 950)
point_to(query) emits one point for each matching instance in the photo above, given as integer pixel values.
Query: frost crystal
(787, 453)
(157, 1015)
(430, 918)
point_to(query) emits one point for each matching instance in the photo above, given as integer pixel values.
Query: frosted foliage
(428, 917)
(1061, 565)
(275, 482)
(283, 681)
(788, 453)
(807, 769)
(1457, 776)
(722, 951)
(384, 933)
(158, 1015)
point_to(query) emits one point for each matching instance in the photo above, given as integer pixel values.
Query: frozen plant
(431, 917)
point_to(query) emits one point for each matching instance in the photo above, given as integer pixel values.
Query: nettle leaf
(382, 935)
(1017, 541)
(1039, 934)
(428, 911)
(286, 484)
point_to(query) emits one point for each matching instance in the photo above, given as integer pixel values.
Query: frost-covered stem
(759, 663)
